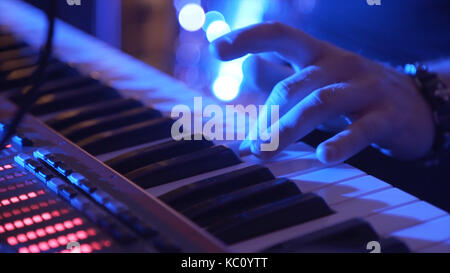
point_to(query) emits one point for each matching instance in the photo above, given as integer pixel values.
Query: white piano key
(352, 188)
(438, 248)
(396, 219)
(291, 162)
(375, 202)
(361, 206)
(426, 234)
(312, 181)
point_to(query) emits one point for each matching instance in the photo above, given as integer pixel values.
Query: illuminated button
(80, 202)
(67, 193)
(22, 159)
(55, 184)
(115, 206)
(63, 168)
(76, 178)
(101, 197)
(51, 160)
(32, 165)
(87, 186)
(22, 140)
(44, 174)
(41, 154)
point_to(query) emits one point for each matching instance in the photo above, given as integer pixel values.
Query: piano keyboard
(118, 109)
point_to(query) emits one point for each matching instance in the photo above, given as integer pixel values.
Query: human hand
(382, 105)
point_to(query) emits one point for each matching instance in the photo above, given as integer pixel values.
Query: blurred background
(171, 35)
(174, 35)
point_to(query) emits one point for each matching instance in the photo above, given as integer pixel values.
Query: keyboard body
(299, 204)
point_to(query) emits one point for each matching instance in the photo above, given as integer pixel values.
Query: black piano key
(73, 116)
(59, 85)
(349, 236)
(8, 42)
(184, 166)
(291, 211)
(139, 158)
(128, 136)
(197, 192)
(114, 121)
(15, 64)
(17, 53)
(213, 210)
(70, 99)
(21, 77)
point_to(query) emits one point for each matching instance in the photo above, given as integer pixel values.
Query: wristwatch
(437, 94)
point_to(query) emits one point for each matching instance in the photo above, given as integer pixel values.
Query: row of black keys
(235, 206)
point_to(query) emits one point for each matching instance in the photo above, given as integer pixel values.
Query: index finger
(292, 44)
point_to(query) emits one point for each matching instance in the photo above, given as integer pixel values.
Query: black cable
(30, 92)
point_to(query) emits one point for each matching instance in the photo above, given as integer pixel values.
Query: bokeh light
(226, 87)
(191, 17)
(217, 29)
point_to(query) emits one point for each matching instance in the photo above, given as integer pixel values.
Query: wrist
(436, 93)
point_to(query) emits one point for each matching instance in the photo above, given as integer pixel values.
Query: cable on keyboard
(37, 78)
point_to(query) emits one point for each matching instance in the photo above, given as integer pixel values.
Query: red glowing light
(50, 230)
(9, 226)
(43, 246)
(68, 224)
(71, 237)
(12, 241)
(27, 221)
(18, 224)
(31, 235)
(62, 240)
(59, 227)
(85, 248)
(41, 232)
(53, 243)
(46, 216)
(32, 194)
(37, 218)
(22, 238)
(23, 250)
(34, 249)
(77, 221)
(81, 234)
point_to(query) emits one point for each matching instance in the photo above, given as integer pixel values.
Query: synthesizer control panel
(54, 196)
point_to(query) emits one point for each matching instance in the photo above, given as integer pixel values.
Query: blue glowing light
(227, 84)
(191, 17)
(217, 29)
(211, 17)
(226, 87)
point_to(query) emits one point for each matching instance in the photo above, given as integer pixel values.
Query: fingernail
(326, 154)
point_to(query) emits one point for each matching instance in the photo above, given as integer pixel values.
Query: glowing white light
(212, 16)
(226, 87)
(191, 17)
(217, 29)
(248, 12)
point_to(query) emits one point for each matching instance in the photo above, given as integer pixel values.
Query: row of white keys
(391, 212)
